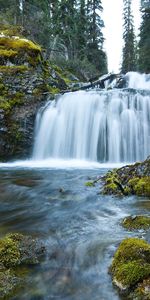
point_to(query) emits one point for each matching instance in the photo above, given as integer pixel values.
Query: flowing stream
(78, 137)
(81, 230)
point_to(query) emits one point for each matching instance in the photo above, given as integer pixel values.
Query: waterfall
(104, 126)
(138, 81)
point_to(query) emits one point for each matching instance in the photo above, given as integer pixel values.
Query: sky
(113, 31)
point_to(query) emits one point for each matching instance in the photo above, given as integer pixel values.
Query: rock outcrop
(128, 180)
(27, 81)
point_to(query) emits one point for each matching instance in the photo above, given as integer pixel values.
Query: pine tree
(129, 52)
(95, 38)
(11, 9)
(144, 43)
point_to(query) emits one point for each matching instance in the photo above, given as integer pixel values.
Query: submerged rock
(17, 251)
(131, 265)
(128, 180)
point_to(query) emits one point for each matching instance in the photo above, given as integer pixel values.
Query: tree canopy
(71, 29)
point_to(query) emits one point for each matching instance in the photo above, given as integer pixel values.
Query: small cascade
(138, 81)
(104, 126)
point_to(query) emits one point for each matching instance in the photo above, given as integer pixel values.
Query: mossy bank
(27, 81)
(128, 180)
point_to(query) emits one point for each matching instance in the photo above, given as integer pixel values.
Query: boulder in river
(17, 253)
(130, 268)
(129, 180)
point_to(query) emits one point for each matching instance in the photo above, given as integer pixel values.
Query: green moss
(7, 53)
(132, 179)
(18, 43)
(7, 102)
(53, 90)
(2, 88)
(90, 184)
(110, 183)
(9, 252)
(10, 70)
(142, 187)
(131, 263)
(110, 188)
(13, 30)
(137, 222)
(131, 273)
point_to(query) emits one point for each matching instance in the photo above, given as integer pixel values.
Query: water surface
(80, 227)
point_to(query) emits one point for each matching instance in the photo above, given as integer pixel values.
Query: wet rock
(17, 250)
(8, 283)
(142, 292)
(27, 81)
(25, 182)
(131, 265)
(128, 180)
(136, 222)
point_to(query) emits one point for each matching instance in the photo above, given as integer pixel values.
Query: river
(80, 228)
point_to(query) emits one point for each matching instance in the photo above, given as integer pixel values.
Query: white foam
(58, 164)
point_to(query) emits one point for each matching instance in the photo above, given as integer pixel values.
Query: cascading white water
(111, 126)
(138, 81)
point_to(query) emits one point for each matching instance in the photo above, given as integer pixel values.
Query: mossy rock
(131, 264)
(8, 53)
(111, 189)
(142, 187)
(111, 184)
(136, 222)
(14, 70)
(17, 253)
(16, 249)
(18, 50)
(128, 180)
(8, 101)
(9, 252)
(17, 43)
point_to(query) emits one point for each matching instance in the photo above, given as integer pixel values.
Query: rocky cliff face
(26, 82)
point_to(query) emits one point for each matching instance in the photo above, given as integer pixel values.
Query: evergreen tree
(81, 30)
(95, 38)
(129, 52)
(67, 29)
(144, 43)
(11, 9)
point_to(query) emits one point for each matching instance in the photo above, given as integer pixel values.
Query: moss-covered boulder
(16, 252)
(128, 180)
(136, 222)
(131, 264)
